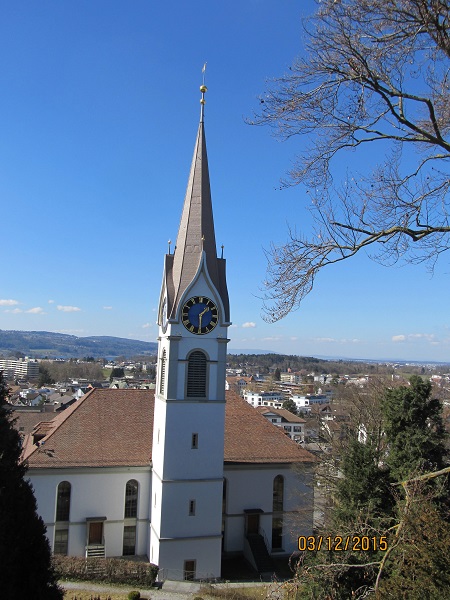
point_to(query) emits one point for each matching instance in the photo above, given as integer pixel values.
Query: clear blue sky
(99, 109)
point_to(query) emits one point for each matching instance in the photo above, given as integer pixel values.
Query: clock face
(200, 315)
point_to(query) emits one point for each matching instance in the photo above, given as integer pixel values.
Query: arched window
(61, 542)
(277, 508)
(63, 501)
(129, 529)
(131, 498)
(196, 375)
(162, 375)
(278, 493)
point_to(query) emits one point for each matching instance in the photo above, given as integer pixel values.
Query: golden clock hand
(200, 316)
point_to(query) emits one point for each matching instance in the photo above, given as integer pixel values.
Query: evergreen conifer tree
(363, 493)
(25, 558)
(414, 429)
(383, 493)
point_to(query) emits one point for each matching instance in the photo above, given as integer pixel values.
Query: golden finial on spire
(203, 90)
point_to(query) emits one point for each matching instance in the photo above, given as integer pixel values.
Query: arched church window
(162, 375)
(61, 540)
(63, 501)
(196, 375)
(131, 498)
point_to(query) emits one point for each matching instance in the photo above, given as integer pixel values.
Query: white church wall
(95, 493)
(205, 552)
(251, 487)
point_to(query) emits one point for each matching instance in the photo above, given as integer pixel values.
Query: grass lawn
(87, 595)
(206, 592)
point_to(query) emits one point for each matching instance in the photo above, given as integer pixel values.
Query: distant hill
(40, 344)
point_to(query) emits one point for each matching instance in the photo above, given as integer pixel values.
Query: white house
(291, 424)
(274, 399)
(181, 474)
(304, 403)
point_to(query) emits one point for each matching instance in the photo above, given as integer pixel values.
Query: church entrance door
(252, 524)
(95, 533)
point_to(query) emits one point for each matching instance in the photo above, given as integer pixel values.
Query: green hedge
(111, 570)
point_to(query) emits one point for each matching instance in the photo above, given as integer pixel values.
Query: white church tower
(189, 417)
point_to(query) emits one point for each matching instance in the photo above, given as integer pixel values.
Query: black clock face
(199, 315)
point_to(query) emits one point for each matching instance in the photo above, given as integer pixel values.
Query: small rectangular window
(194, 441)
(191, 508)
(189, 570)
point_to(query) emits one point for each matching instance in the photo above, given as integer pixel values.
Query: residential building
(291, 424)
(262, 398)
(304, 403)
(19, 368)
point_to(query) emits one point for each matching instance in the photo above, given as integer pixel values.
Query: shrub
(134, 595)
(110, 570)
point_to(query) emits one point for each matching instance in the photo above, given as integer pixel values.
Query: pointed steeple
(196, 237)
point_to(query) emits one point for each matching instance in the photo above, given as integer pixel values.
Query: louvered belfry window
(196, 377)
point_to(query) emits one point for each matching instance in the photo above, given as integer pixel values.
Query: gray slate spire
(196, 234)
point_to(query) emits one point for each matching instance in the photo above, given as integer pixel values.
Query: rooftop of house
(90, 434)
(27, 420)
(285, 414)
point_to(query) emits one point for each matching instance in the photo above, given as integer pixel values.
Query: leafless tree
(374, 79)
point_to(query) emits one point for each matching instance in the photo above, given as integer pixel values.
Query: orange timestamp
(339, 543)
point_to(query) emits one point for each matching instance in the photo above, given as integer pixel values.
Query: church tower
(189, 417)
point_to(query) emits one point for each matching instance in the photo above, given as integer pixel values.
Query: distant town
(305, 396)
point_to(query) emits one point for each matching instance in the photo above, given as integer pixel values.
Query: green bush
(134, 595)
(109, 570)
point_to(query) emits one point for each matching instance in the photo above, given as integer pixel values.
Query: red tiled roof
(250, 438)
(104, 428)
(26, 421)
(114, 428)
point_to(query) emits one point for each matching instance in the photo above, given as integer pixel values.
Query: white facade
(21, 368)
(273, 399)
(251, 487)
(98, 496)
(304, 403)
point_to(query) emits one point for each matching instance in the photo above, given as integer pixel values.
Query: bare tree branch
(376, 76)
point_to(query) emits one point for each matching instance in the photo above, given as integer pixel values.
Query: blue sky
(99, 110)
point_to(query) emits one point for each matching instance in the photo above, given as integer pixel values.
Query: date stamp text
(338, 543)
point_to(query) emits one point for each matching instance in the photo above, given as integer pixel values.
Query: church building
(188, 473)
